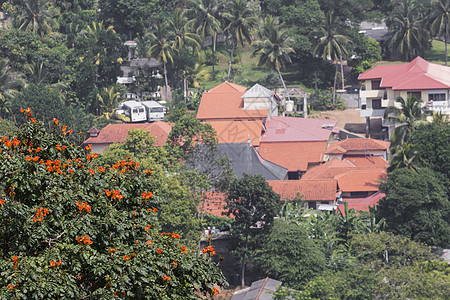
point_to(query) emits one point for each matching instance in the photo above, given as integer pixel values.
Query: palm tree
(402, 156)
(410, 36)
(108, 99)
(274, 46)
(179, 27)
(240, 20)
(10, 81)
(330, 45)
(410, 114)
(38, 16)
(206, 19)
(162, 49)
(441, 20)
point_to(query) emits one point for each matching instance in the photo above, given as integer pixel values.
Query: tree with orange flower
(64, 237)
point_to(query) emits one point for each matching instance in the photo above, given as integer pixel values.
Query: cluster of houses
(303, 158)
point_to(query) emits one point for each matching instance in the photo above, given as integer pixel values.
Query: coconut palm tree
(440, 20)
(162, 49)
(274, 47)
(240, 20)
(180, 30)
(330, 45)
(38, 16)
(206, 19)
(408, 24)
(410, 114)
(403, 156)
(108, 99)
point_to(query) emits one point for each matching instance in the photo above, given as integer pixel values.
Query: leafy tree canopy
(417, 206)
(71, 230)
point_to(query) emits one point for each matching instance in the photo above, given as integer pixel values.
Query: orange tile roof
(310, 190)
(116, 133)
(228, 87)
(238, 131)
(356, 144)
(224, 102)
(293, 155)
(369, 161)
(362, 204)
(352, 177)
(361, 180)
(214, 204)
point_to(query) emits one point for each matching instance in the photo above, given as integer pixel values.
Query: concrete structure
(384, 84)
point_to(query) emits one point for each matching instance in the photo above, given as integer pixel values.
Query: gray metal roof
(257, 91)
(246, 160)
(259, 290)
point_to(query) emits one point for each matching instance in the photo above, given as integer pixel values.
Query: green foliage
(289, 255)
(384, 266)
(186, 133)
(254, 205)
(432, 143)
(417, 206)
(324, 101)
(179, 210)
(47, 104)
(71, 230)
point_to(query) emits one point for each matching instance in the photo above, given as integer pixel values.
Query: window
(156, 109)
(135, 110)
(418, 95)
(436, 97)
(141, 110)
(376, 84)
(376, 103)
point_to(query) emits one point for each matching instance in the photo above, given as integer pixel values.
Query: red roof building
(355, 177)
(357, 147)
(296, 143)
(117, 133)
(238, 131)
(315, 192)
(225, 103)
(385, 83)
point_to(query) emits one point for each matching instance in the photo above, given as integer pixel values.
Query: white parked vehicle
(154, 110)
(134, 110)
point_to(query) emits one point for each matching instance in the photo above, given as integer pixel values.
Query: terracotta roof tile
(416, 75)
(293, 156)
(374, 161)
(311, 190)
(362, 204)
(214, 203)
(361, 180)
(227, 106)
(290, 129)
(356, 144)
(116, 133)
(228, 87)
(238, 131)
(363, 175)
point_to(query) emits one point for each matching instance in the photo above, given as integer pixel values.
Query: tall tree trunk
(243, 272)
(167, 83)
(445, 40)
(334, 85)
(213, 55)
(342, 71)
(231, 60)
